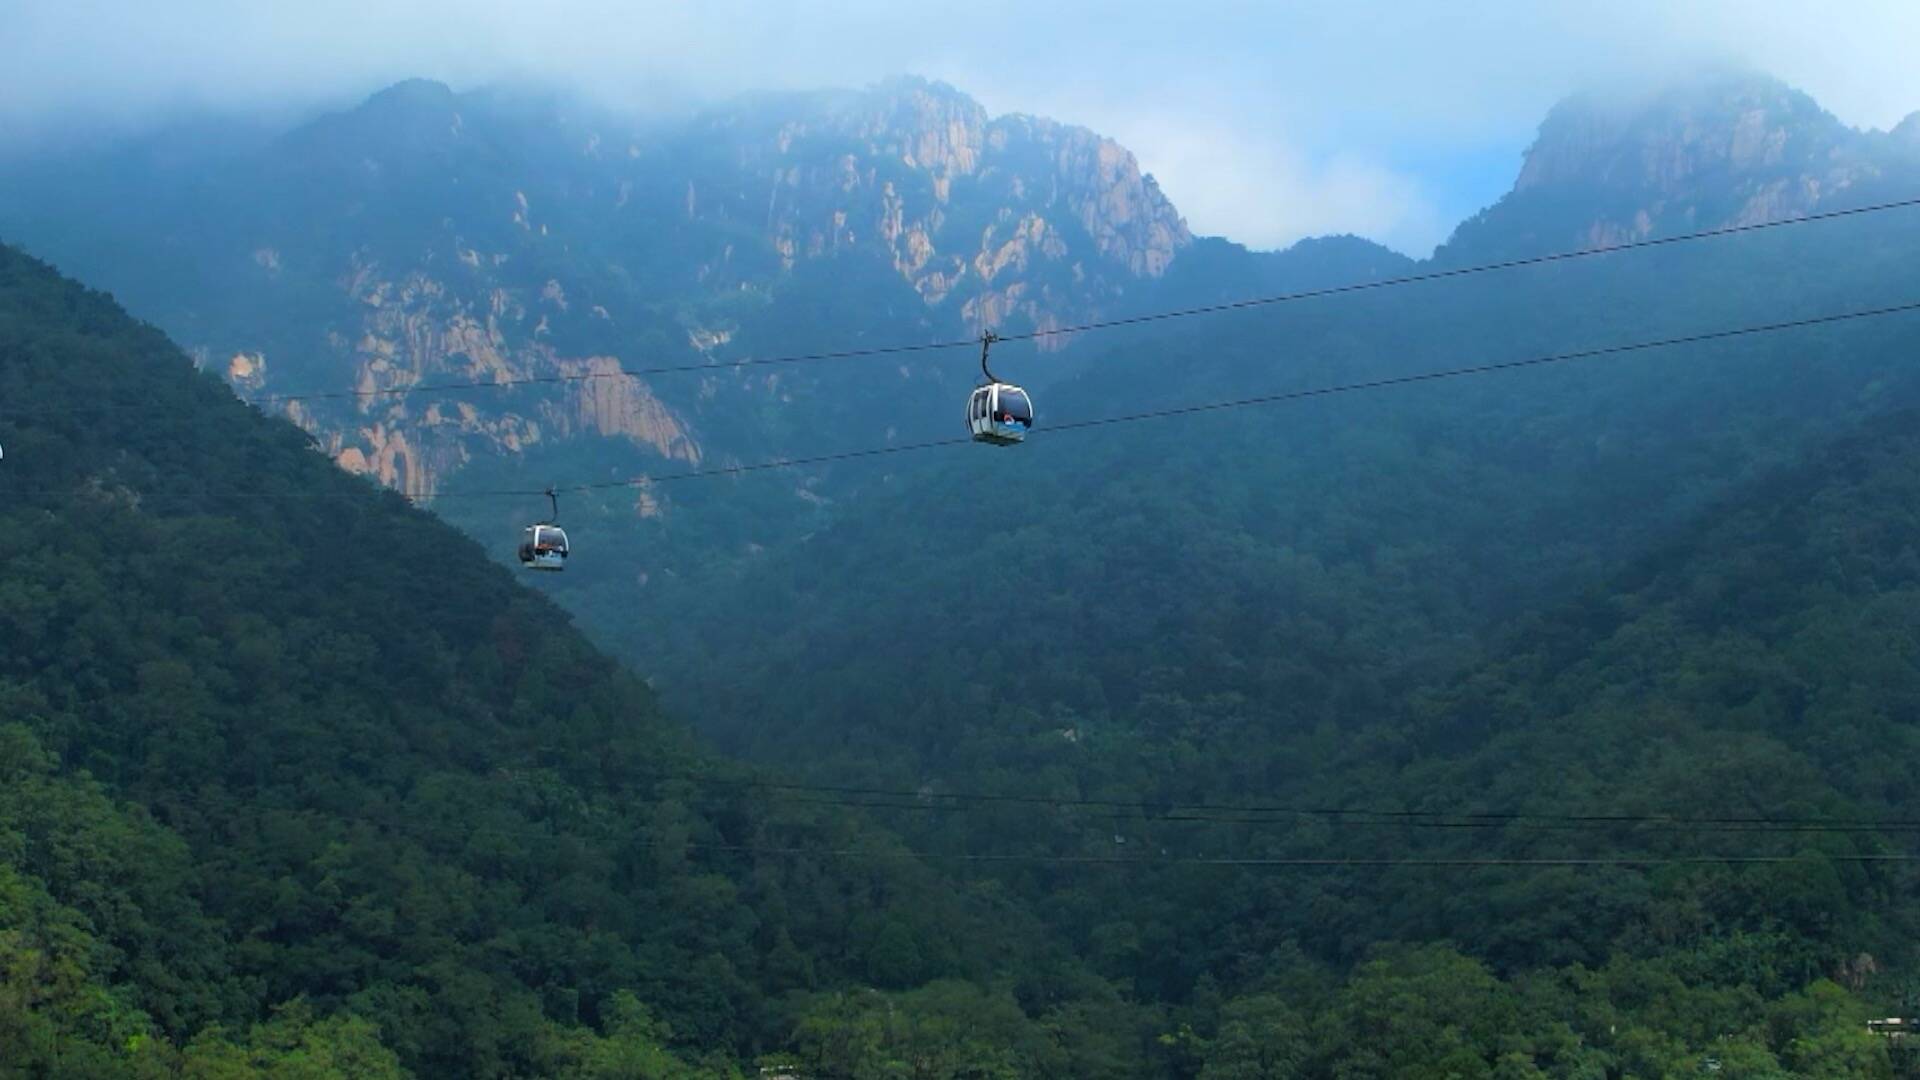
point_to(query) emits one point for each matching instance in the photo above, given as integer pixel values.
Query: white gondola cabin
(998, 412)
(543, 545)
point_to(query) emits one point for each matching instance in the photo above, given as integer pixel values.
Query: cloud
(1266, 193)
(1386, 117)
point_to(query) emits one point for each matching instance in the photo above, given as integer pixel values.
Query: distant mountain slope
(270, 736)
(1784, 617)
(429, 236)
(1307, 555)
(1758, 667)
(1745, 691)
(499, 234)
(1447, 507)
(1231, 607)
(1716, 148)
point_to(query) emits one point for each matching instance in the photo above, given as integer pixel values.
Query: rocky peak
(1027, 163)
(409, 95)
(1906, 134)
(930, 125)
(1122, 208)
(992, 220)
(403, 121)
(1714, 150)
(514, 234)
(1726, 126)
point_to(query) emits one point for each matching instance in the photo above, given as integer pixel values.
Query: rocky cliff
(1009, 218)
(1710, 151)
(511, 236)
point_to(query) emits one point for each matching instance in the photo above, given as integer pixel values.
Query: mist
(1263, 123)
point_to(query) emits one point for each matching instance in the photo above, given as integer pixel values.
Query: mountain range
(426, 235)
(1552, 723)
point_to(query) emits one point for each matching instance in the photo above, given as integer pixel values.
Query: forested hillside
(295, 772)
(1235, 608)
(1697, 766)
(297, 780)
(1300, 564)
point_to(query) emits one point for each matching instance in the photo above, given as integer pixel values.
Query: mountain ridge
(1707, 151)
(508, 233)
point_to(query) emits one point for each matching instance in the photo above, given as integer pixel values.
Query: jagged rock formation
(500, 236)
(495, 236)
(1003, 219)
(927, 158)
(1671, 141)
(421, 329)
(1710, 151)
(1905, 137)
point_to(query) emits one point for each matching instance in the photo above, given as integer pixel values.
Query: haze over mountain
(491, 236)
(1552, 723)
(1293, 572)
(1264, 123)
(427, 237)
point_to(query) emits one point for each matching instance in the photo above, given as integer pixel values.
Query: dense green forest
(293, 769)
(1206, 601)
(300, 784)
(1265, 607)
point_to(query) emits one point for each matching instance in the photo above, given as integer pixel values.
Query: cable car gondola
(543, 545)
(999, 413)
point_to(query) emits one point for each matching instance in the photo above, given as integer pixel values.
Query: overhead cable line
(1462, 271)
(414, 824)
(1382, 383)
(472, 833)
(1325, 862)
(584, 833)
(1105, 324)
(588, 376)
(1146, 814)
(1156, 810)
(1134, 320)
(1217, 406)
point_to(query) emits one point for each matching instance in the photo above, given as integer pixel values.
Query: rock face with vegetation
(1703, 152)
(426, 237)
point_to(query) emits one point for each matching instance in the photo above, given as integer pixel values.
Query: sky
(1263, 122)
